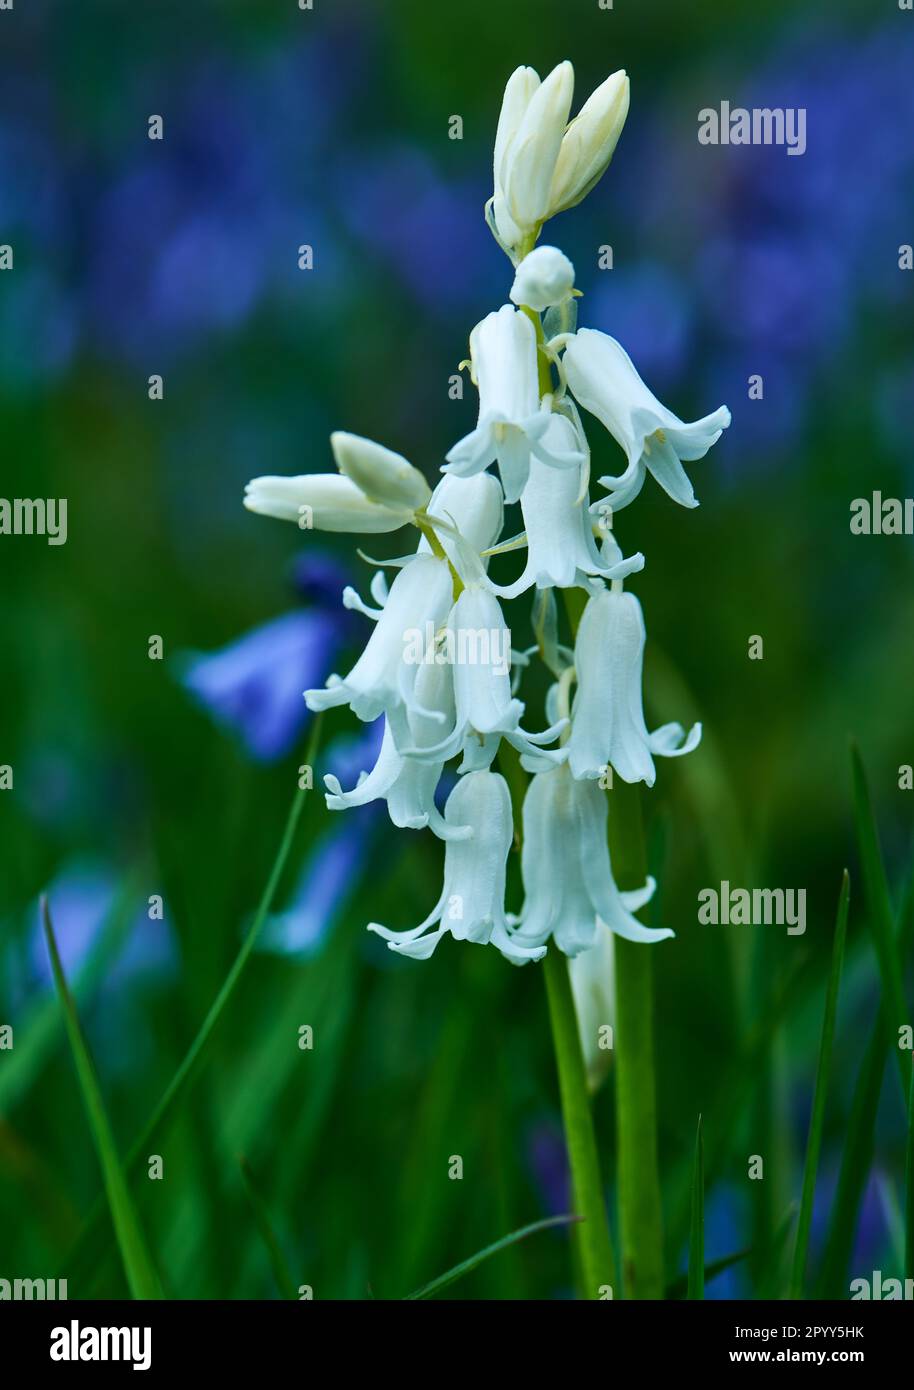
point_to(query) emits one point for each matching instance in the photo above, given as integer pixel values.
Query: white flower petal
(322, 501)
(604, 380)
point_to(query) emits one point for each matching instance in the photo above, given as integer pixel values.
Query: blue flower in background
(547, 1160)
(329, 878)
(429, 229)
(649, 310)
(333, 868)
(255, 686)
(82, 897)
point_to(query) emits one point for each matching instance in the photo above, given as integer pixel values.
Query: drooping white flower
(589, 143)
(607, 725)
(545, 277)
(473, 506)
(324, 501)
(472, 902)
(568, 882)
(383, 476)
(477, 646)
(512, 421)
(603, 379)
(527, 143)
(561, 549)
(383, 681)
(406, 784)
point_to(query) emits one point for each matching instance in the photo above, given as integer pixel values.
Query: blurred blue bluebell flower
(255, 685)
(82, 896)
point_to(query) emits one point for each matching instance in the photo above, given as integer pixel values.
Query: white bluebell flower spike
(472, 902)
(607, 725)
(439, 665)
(603, 379)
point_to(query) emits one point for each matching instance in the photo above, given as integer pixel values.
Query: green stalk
(640, 1210)
(591, 1235)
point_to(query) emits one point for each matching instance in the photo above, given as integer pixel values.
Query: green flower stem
(640, 1211)
(591, 1235)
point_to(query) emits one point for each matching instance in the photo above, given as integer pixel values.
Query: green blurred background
(135, 777)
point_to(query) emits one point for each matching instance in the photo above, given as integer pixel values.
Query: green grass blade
(909, 1184)
(697, 1237)
(138, 1267)
(879, 907)
(40, 1026)
(281, 1273)
(817, 1119)
(465, 1266)
(85, 1253)
(857, 1158)
(197, 1047)
(679, 1287)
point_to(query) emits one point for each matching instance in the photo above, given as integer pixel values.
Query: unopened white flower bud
(527, 145)
(384, 476)
(588, 143)
(544, 277)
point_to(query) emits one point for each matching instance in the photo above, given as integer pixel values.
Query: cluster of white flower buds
(439, 665)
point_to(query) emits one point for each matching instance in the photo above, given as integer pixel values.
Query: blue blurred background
(135, 777)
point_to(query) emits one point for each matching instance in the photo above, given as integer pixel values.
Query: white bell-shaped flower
(604, 380)
(545, 277)
(527, 144)
(561, 549)
(568, 882)
(383, 679)
(406, 784)
(324, 502)
(473, 506)
(383, 476)
(607, 723)
(512, 423)
(472, 902)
